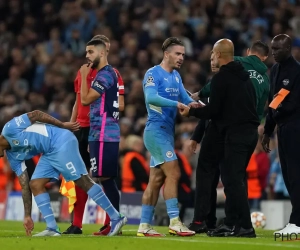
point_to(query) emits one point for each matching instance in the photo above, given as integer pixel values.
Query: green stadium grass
(12, 237)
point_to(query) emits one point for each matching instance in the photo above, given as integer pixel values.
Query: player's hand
(195, 96)
(28, 225)
(73, 126)
(192, 146)
(195, 105)
(181, 105)
(183, 109)
(265, 143)
(85, 69)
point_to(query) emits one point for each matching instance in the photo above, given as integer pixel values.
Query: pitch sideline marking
(219, 242)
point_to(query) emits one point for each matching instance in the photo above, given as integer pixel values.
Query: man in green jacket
(204, 214)
(253, 63)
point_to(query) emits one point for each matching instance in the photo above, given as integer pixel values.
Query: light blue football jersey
(27, 140)
(167, 85)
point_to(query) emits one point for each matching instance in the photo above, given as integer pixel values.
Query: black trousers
(288, 149)
(211, 216)
(234, 149)
(240, 143)
(207, 175)
(82, 136)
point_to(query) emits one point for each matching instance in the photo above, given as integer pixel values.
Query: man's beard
(96, 63)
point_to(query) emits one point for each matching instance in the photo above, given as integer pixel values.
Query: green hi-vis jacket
(258, 75)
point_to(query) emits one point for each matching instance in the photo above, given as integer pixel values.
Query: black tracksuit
(231, 136)
(203, 209)
(287, 118)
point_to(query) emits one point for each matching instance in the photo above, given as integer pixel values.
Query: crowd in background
(42, 45)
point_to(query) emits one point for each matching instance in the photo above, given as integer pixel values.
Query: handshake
(184, 110)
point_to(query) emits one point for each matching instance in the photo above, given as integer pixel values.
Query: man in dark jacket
(232, 133)
(253, 63)
(285, 79)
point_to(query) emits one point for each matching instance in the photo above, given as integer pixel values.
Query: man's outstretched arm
(26, 193)
(39, 116)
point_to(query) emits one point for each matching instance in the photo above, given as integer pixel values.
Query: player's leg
(96, 192)
(81, 195)
(172, 172)
(104, 158)
(156, 180)
(110, 188)
(67, 160)
(43, 173)
(149, 201)
(161, 146)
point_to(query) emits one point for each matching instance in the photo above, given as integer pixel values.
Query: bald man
(231, 136)
(285, 76)
(253, 63)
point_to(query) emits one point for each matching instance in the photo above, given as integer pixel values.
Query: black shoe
(246, 233)
(223, 231)
(211, 226)
(198, 227)
(73, 230)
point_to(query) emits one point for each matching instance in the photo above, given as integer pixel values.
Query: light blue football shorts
(64, 159)
(160, 145)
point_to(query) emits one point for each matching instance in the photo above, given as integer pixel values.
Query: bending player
(23, 138)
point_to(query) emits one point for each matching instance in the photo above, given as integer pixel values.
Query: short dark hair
(96, 42)
(101, 37)
(171, 41)
(260, 48)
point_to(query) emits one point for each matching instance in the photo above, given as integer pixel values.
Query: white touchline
(223, 242)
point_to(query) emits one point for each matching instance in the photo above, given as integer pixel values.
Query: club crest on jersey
(169, 154)
(177, 79)
(286, 82)
(150, 81)
(15, 142)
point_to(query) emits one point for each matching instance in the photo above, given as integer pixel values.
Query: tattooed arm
(26, 193)
(27, 201)
(20, 169)
(39, 116)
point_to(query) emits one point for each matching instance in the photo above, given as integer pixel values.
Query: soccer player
(81, 115)
(104, 133)
(121, 92)
(38, 133)
(163, 89)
